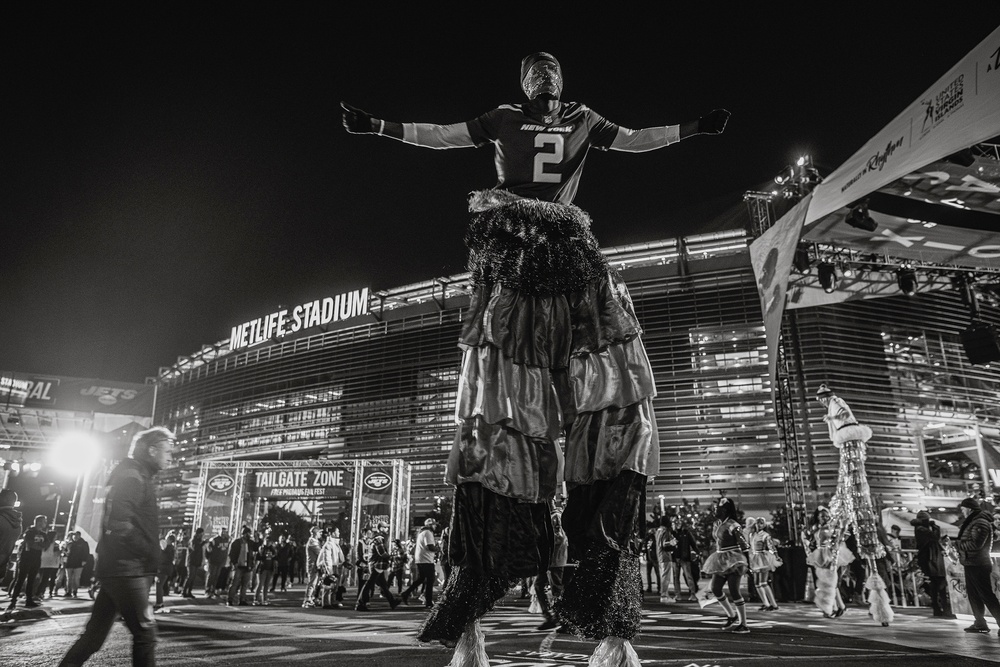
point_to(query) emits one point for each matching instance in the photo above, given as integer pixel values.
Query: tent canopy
(930, 180)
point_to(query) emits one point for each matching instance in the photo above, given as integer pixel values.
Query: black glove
(714, 122)
(356, 121)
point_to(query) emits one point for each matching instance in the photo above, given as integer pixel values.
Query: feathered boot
(826, 589)
(470, 651)
(878, 600)
(614, 652)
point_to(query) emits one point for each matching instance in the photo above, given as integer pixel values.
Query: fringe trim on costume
(878, 599)
(467, 597)
(604, 598)
(826, 589)
(531, 246)
(614, 652)
(471, 648)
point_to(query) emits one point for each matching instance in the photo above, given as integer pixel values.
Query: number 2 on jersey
(539, 175)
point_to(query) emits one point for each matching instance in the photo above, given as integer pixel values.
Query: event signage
(376, 495)
(219, 499)
(77, 394)
(301, 483)
(304, 316)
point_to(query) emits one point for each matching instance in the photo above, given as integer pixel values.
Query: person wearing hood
(930, 558)
(128, 552)
(10, 527)
(974, 540)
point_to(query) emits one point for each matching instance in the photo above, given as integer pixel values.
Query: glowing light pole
(75, 453)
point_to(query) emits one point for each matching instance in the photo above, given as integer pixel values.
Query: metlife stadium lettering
(310, 314)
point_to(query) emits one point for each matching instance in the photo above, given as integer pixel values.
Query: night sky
(169, 173)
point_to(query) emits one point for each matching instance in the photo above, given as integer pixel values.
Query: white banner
(960, 110)
(771, 256)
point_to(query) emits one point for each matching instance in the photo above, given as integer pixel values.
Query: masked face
(544, 78)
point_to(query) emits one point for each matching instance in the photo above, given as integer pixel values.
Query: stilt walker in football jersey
(551, 351)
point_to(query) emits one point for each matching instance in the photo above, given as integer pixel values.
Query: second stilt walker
(851, 507)
(552, 354)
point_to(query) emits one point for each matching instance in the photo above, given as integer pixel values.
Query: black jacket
(77, 553)
(234, 552)
(196, 551)
(930, 555)
(975, 538)
(129, 544)
(10, 530)
(687, 545)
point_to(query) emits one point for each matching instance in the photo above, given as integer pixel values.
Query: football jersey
(541, 156)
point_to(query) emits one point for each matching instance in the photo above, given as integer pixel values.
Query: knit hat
(971, 503)
(528, 61)
(824, 391)
(923, 515)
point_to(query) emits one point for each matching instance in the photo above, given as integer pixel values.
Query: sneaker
(740, 629)
(393, 603)
(981, 629)
(730, 621)
(31, 603)
(361, 607)
(308, 604)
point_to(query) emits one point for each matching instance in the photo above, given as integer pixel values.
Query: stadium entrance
(233, 494)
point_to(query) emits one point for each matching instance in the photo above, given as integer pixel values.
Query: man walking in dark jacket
(974, 540)
(128, 551)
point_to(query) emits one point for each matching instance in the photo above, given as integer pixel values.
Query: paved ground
(675, 635)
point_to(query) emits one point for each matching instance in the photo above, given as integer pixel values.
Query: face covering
(541, 74)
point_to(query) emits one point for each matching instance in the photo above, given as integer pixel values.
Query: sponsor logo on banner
(109, 395)
(942, 105)
(876, 162)
(221, 483)
(377, 481)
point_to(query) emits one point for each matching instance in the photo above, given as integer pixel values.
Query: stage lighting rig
(801, 259)
(827, 276)
(859, 217)
(980, 339)
(906, 278)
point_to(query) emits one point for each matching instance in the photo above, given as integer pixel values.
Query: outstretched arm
(639, 141)
(428, 135)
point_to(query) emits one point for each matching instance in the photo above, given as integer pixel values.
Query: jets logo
(377, 481)
(221, 483)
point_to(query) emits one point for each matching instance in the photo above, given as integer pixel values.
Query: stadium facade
(378, 380)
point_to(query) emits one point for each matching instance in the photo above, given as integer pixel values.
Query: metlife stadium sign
(304, 316)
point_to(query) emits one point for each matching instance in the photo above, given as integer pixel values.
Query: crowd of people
(37, 564)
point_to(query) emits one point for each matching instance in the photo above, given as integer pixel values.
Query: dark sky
(169, 173)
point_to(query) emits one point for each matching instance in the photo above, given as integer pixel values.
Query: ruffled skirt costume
(762, 558)
(552, 358)
(728, 557)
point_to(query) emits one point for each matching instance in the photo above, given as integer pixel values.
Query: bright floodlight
(75, 453)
